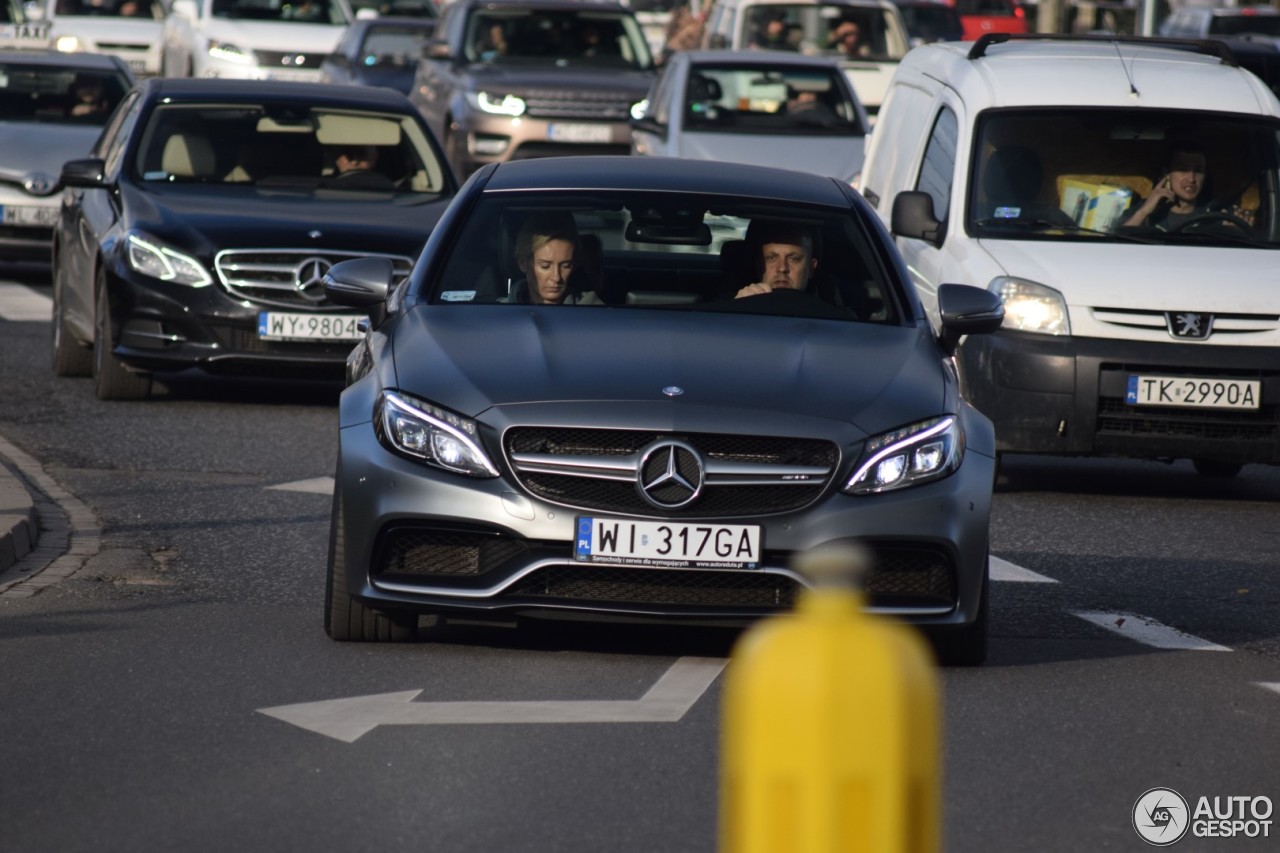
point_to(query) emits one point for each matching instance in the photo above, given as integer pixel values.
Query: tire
(1213, 468)
(347, 620)
(69, 358)
(967, 646)
(111, 380)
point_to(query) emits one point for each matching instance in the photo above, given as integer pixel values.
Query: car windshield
(393, 45)
(144, 9)
(1244, 23)
(47, 93)
(328, 12)
(505, 35)
(831, 29)
(1149, 175)
(670, 252)
(289, 147)
(775, 100)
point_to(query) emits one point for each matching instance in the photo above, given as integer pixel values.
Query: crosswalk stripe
(21, 304)
(1149, 632)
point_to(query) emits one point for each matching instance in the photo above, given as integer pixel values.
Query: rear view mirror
(361, 283)
(913, 217)
(967, 310)
(83, 173)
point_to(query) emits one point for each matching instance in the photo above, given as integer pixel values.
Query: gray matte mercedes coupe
(594, 397)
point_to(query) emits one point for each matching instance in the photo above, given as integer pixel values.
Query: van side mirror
(913, 217)
(185, 9)
(967, 310)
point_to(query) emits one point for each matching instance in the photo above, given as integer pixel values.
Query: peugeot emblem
(38, 183)
(1189, 325)
(308, 278)
(671, 474)
(673, 390)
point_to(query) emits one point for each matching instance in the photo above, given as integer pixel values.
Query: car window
(296, 146)
(399, 46)
(327, 12)
(114, 136)
(776, 100)
(816, 28)
(1071, 174)
(1234, 25)
(558, 37)
(57, 94)
(939, 165)
(144, 9)
(986, 8)
(654, 250)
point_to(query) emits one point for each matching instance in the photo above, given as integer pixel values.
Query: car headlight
(915, 454)
(69, 44)
(431, 434)
(151, 257)
(500, 105)
(1031, 307)
(230, 52)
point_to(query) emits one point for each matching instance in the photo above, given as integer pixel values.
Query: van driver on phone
(1175, 199)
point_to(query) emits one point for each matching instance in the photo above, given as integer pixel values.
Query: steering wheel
(1214, 216)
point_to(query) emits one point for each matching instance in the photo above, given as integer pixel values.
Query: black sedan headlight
(915, 454)
(157, 259)
(430, 434)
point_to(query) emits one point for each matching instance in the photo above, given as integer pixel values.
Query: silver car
(659, 444)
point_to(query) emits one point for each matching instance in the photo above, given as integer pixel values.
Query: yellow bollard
(830, 729)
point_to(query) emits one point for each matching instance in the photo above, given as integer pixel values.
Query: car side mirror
(967, 310)
(437, 49)
(649, 125)
(913, 217)
(361, 283)
(185, 9)
(89, 173)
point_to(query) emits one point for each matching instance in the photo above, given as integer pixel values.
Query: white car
(754, 106)
(1123, 199)
(252, 39)
(129, 29)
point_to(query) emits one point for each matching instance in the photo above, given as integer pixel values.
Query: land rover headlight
(498, 105)
(430, 434)
(1031, 307)
(152, 257)
(914, 454)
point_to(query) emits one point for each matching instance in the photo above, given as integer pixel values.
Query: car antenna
(1133, 90)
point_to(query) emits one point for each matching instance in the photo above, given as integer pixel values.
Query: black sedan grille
(288, 278)
(595, 106)
(746, 474)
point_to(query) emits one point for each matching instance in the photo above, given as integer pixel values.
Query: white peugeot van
(1122, 195)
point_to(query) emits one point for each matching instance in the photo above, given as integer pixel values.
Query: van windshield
(1154, 175)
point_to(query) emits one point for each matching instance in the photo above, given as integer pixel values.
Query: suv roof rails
(1210, 47)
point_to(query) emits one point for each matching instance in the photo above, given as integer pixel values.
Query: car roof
(211, 90)
(1091, 71)
(866, 4)
(59, 59)
(666, 174)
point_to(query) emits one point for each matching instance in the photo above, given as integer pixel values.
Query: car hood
(519, 79)
(274, 35)
(1213, 279)
(244, 217)
(30, 148)
(765, 372)
(834, 156)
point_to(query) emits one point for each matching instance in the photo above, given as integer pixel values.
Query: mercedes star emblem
(670, 475)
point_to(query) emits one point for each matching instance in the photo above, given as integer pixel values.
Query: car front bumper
(417, 538)
(1066, 395)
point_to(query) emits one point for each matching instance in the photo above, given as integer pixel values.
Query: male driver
(786, 256)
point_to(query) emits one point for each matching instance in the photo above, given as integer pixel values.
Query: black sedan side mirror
(83, 173)
(361, 283)
(967, 310)
(913, 217)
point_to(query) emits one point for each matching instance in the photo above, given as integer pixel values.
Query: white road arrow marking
(1003, 570)
(1149, 632)
(316, 485)
(347, 720)
(20, 303)
(1269, 685)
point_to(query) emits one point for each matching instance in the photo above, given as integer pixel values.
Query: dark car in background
(52, 108)
(378, 52)
(198, 229)
(515, 79)
(930, 20)
(663, 452)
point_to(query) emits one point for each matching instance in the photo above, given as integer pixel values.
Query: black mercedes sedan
(633, 388)
(197, 232)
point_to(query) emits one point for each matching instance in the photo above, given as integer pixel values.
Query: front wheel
(346, 619)
(111, 380)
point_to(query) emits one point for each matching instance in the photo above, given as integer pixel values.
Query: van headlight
(430, 434)
(1031, 307)
(915, 454)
